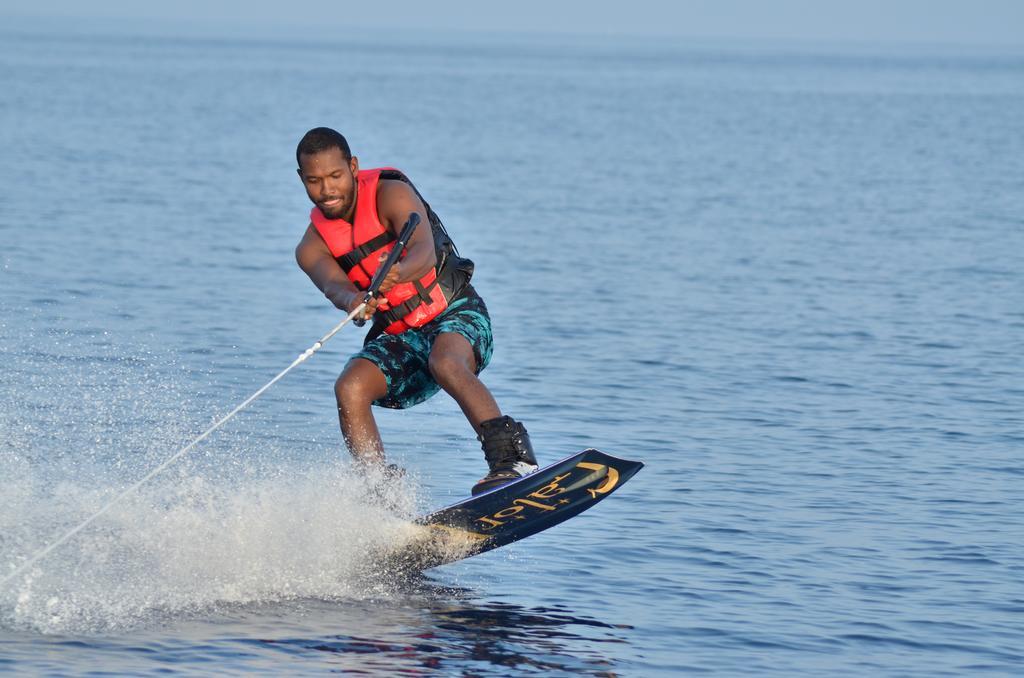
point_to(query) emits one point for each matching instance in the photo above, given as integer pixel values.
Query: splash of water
(191, 543)
(234, 526)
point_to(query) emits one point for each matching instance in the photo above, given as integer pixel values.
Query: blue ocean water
(785, 277)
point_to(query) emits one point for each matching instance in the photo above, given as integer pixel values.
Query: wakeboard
(511, 512)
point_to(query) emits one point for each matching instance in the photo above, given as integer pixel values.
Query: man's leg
(453, 366)
(360, 383)
(505, 441)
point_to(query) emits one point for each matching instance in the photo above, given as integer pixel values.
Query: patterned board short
(403, 357)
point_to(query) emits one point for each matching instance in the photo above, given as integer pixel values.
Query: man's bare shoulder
(393, 189)
(311, 246)
(395, 199)
(312, 237)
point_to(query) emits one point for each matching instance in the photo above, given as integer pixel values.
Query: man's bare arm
(314, 257)
(395, 201)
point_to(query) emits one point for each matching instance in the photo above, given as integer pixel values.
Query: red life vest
(358, 248)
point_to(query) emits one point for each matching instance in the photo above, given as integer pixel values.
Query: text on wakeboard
(535, 500)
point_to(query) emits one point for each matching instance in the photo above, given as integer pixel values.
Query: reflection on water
(445, 629)
(420, 628)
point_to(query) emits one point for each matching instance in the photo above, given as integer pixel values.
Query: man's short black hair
(321, 139)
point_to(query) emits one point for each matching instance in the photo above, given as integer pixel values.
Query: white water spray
(23, 567)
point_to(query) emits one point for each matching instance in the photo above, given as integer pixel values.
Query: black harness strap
(422, 292)
(351, 259)
(396, 313)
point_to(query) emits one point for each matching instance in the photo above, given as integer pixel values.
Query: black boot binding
(508, 452)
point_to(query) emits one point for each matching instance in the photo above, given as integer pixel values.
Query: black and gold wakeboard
(513, 511)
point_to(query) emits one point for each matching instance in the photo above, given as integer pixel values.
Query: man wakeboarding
(430, 329)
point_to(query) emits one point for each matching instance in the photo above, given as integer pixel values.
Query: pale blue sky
(969, 22)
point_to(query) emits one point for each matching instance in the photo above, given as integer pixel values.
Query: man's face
(330, 182)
